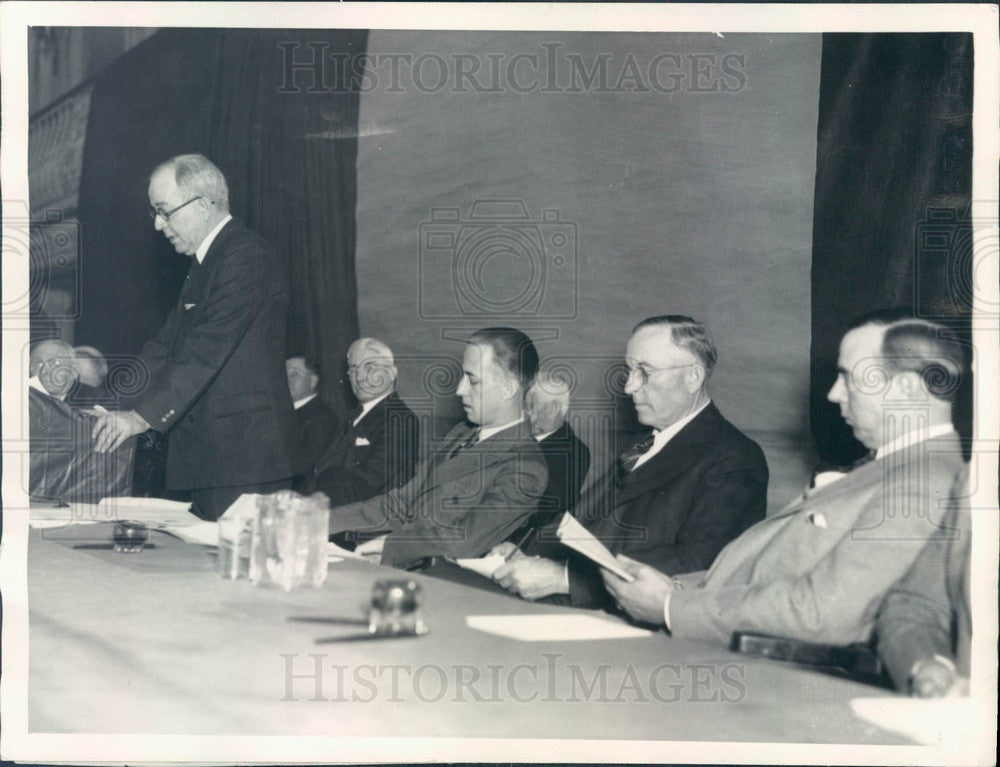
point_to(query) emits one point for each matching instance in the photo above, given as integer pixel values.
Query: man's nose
(836, 391)
(159, 223)
(632, 383)
(460, 389)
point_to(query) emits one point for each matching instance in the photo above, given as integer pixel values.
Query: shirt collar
(546, 435)
(300, 402)
(912, 437)
(34, 382)
(663, 436)
(486, 432)
(366, 407)
(210, 238)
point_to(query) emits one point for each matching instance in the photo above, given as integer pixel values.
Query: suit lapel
(473, 458)
(674, 458)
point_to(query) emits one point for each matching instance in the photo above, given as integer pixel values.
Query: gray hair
(688, 334)
(197, 175)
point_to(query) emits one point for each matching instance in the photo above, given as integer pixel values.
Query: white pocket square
(189, 306)
(361, 442)
(816, 518)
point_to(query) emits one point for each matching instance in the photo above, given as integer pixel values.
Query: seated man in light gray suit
(483, 481)
(818, 570)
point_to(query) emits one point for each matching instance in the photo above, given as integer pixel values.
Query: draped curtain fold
(289, 156)
(893, 171)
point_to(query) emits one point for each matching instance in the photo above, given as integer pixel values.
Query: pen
(517, 546)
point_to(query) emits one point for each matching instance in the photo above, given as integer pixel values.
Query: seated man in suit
(924, 627)
(566, 457)
(482, 482)
(376, 450)
(675, 499)
(316, 420)
(52, 368)
(818, 570)
(91, 390)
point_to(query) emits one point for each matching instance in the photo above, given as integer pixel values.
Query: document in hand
(485, 566)
(580, 539)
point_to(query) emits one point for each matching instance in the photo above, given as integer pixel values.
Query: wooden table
(156, 642)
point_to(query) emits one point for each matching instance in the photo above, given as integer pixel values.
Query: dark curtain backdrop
(893, 186)
(288, 152)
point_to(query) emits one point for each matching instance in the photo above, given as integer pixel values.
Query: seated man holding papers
(675, 499)
(818, 570)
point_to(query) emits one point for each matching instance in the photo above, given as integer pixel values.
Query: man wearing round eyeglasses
(216, 369)
(675, 498)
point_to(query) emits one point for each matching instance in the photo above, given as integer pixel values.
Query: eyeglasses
(642, 372)
(166, 214)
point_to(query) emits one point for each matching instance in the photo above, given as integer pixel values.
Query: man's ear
(313, 381)
(909, 384)
(695, 378)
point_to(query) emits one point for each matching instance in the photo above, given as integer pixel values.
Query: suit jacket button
(163, 420)
(454, 499)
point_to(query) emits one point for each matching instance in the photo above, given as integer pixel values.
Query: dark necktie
(628, 459)
(471, 440)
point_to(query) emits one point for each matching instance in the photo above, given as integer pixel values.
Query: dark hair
(688, 334)
(930, 350)
(881, 317)
(310, 363)
(513, 350)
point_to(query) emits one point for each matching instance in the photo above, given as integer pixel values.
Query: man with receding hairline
(672, 501)
(216, 367)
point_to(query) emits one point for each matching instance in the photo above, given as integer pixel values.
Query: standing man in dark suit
(566, 457)
(316, 420)
(216, 368)
(376, 449)
(676, 498)
(484, 480)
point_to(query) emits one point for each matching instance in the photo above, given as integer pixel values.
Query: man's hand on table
(110, 430)
(644, 598)
(531, 577)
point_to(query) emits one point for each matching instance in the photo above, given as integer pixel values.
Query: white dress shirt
(486, 432)
(305, 400)
(366, 408)
(663, 436)
(210, 238)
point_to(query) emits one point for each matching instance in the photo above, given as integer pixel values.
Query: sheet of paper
(557, 627)
(580, 539)
(155, 512)
(204, 533)
(335, 553)
(930, 722)
(485, 566)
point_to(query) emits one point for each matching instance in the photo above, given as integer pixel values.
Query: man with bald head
(52, 368)
(818, 570)
(216, 368)
(673, 500)
(376, 449)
